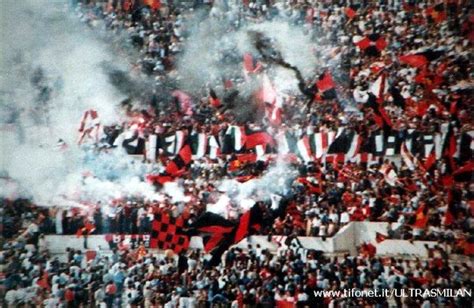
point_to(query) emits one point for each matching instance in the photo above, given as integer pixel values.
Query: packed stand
(287, 278)
(426, 92)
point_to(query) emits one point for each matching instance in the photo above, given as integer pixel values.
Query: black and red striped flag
(372, 44)
(180, 162)
(326, 86)
(464, 173)
(219, 233)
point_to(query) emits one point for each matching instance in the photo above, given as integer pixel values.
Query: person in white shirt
(345, 218)
(10, 298)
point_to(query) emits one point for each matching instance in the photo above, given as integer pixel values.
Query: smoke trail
(216, 44)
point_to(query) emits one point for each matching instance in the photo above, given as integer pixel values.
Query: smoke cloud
(52, 71)
(215, 47)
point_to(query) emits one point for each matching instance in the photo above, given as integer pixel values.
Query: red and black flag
(259, 137)
(372, 44)
(464, 173)
(180, 162)
(213, 99)
(167, 233)
(326, 88)
(380, 116)
(198, 142)
(430, 161)
(240, 160)
(454, 198)
(87, 229)
(158, 179)
(420, 59)
(219, 233)
(234, 139)
(175, 167)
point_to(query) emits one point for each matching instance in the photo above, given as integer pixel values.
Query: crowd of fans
(347, 191)
(246, 278)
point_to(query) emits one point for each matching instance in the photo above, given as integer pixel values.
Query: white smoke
(214, 49)
(42, 35)
(276, 180)
(175, 191)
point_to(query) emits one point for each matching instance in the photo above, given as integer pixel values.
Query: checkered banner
(166, 233)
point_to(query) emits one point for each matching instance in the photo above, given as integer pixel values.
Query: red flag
(449, 216)
(244, 178)
(86, 230)
(325, 83)
(421, 218)
(430, 161)
(379, 237)
(414, 60)
(250, 65)
(436, 12)
(381, 44)
(350, 12)
(158, 179)
(247, 157)
(372, 44)
(467, 246)
(127, 5)
(241, 160)
(269, 94)
(369, 250)
(154, 4)
(312, 188)
(258, 138)
(363, 43)
(43, 281)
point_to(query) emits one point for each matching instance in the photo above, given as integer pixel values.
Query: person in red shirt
(110, 291)
(69, 297)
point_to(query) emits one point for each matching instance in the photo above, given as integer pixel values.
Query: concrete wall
(345, 241)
